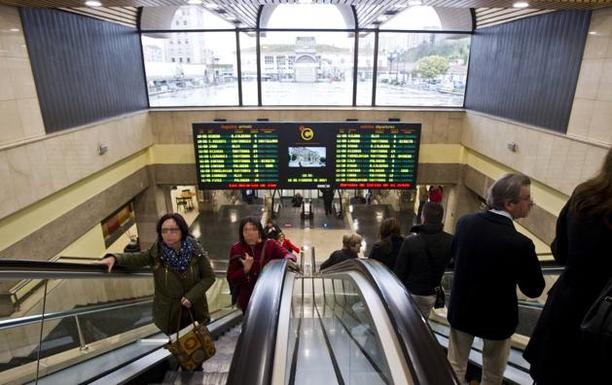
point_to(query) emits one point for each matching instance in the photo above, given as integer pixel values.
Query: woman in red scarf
(248, 257)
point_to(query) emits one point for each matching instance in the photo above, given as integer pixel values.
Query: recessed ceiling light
(14, 29)
(521, 4)
(93, 3)
(415, 3)
(194, 2)
(592, 33)
(211, 6)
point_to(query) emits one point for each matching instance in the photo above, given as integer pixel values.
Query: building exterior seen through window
(306, 67)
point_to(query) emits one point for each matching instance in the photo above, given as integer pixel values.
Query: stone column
(459, 201)
(149, 206)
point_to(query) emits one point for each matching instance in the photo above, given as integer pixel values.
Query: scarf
(177, 260)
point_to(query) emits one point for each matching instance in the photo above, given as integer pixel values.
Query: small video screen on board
(307, 157)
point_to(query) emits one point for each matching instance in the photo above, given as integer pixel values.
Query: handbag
(596, 326)
(194, 347)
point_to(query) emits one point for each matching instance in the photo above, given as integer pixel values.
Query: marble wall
(591, 117)
(38, 168)
(440, 127)
(555, 160)
(19, 108)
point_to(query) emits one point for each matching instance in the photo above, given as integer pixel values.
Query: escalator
(82, 325)
(529, 309)
(352, 324)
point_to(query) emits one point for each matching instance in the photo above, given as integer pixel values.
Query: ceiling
(487, 12)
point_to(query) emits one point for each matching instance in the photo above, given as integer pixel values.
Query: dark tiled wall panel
(527, 70)
(85, 69)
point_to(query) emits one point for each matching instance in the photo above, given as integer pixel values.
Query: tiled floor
(218, 231)
(367, 220)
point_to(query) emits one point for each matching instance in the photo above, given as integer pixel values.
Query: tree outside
(432, 66)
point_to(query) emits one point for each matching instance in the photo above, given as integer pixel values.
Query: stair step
(195, 378)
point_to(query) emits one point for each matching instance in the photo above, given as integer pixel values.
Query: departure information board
(236, 156)
(268, 155)
(376, 155)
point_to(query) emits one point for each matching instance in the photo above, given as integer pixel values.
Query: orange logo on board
(306, 133)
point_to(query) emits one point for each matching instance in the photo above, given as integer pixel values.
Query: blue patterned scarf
(177, 260)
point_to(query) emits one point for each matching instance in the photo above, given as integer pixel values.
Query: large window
(306, 56)
(421, 69)
(201, 70)
(311, 68)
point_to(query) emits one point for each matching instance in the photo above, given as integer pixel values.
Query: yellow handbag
(194, 347)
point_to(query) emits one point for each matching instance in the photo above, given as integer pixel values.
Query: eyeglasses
(173, 230)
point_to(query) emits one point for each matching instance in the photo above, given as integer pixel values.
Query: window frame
(356, 32)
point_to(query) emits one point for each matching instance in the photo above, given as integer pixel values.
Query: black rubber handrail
(29, 269)
(24, 269)
(254, 355)
(424, 356)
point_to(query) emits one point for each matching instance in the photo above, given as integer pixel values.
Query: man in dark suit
(491, 259)
(328, 199)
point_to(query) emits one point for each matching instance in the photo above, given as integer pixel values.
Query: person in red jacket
(248, 257)
(286, 243)
(435, 194)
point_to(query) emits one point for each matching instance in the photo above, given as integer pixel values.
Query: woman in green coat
(181, 271)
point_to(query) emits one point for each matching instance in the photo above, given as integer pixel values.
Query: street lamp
(396, 59)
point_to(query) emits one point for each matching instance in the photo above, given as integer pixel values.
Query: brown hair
(388, 228)
(350, 240)
(593, 198)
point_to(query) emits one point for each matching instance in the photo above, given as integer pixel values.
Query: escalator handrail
(28, 320)
(423, 353)
(18, 269)
(254, 354)
(27, 269)
(546, 270)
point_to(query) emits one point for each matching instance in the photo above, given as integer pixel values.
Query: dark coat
(337, 257)
(171, 286)
(271, 232)
(491, 259)
(413, 268)
(555, 351)
(382, 253)
(245, 283)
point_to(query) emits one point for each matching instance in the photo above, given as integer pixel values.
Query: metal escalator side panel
(283, 333)
(361, 316)
(425, 357)
(254, 356)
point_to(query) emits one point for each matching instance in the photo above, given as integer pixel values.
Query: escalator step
(195, 378)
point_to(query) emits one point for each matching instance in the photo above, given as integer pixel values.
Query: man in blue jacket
(491, 259)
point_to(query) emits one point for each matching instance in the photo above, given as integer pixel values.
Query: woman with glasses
(181, 270)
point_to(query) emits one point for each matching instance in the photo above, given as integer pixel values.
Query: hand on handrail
(108, 261)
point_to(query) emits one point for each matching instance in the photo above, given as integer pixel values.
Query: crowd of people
(491, 260)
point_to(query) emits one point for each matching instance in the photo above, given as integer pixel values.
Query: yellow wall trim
(547, 198)
(24, 222)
